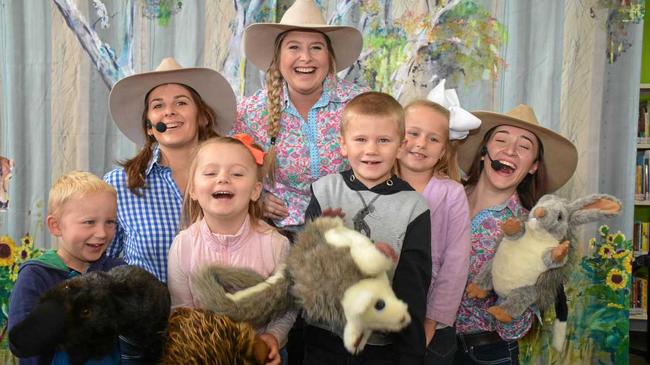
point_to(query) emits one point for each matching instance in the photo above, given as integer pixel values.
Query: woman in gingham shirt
(168, 111)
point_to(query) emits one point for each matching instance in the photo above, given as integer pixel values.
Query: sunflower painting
(7, 251)
(11, 257)
(599, 304)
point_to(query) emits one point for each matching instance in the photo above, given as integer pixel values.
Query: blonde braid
(274, 83)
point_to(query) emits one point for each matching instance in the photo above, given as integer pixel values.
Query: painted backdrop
(576, 62)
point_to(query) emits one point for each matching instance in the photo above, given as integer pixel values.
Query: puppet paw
(500, 314)
(511, 226)
(560, 252)
(474, 291)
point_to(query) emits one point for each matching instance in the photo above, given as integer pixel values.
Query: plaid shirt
(147, 224)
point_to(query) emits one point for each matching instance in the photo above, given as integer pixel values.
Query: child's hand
(274, 353)
(331, 212)
(274, 207)
(429, 330)
(387, 250)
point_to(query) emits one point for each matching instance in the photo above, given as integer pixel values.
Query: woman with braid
(297, 117)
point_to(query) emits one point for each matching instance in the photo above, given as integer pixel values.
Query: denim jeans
(442, 347)
(498, 353)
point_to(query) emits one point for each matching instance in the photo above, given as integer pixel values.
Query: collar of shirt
(222, 241)
(154, 158)
(512, 204)
(328, 95)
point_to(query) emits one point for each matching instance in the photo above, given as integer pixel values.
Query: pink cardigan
(450, 248)
(261, 249)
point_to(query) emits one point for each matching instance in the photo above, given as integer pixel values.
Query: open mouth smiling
(222, 195)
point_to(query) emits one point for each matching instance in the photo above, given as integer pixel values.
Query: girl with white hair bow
(434, 127)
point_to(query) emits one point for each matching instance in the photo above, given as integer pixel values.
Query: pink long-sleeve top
(261, 249)
(450, 248)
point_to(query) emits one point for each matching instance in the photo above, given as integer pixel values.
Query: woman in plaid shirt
(178, 108)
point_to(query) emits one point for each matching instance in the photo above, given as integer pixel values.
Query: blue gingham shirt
(147, 224)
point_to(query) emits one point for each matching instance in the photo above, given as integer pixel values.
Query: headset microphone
(161, 127)
(147, 124)
(496, 165)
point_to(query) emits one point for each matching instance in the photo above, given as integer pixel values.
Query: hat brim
(126, 99)
(259, 42)
(560, 155)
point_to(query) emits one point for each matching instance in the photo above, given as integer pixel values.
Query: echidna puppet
(202, 337)
(537, 255)
(86, 314)
(337, 276)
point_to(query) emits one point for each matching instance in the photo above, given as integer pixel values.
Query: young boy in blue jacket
(82, 211)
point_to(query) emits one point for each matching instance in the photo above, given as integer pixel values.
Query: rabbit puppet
(535, 256)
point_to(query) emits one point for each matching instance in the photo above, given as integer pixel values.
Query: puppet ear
(368, 258)
(356, 300)
(592, 208)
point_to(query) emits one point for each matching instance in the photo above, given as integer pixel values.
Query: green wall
(645, 58)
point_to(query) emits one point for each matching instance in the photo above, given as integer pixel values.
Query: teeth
(221, 193)
(508, 164)
(174, 124)
(305, 69)
(417, 154)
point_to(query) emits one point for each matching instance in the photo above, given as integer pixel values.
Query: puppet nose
(539, 213)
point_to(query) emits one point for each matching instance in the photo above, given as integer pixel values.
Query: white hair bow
(460, 120)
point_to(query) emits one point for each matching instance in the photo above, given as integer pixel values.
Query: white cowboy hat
(560, 155)
(259, 38)
(126, 100)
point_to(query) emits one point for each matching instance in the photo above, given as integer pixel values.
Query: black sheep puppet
(336, 275)
(84, 316)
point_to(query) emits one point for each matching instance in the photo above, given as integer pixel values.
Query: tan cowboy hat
(126, 100)
(259, 38)
(560, 155)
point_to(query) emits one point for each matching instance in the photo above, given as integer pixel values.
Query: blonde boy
(82, 213)
(386, 209)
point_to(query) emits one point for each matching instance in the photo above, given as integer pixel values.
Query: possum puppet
(337, 276)
(202, 337)
(536, 256)
(86, 314)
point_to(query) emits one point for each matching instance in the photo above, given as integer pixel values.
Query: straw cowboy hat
(259, 38)
(126, 100)
(560, 155)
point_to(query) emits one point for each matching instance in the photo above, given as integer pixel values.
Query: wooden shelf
(643, 146)
(642, 202)
(645, 87)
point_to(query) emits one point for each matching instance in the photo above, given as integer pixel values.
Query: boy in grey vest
(386, 209)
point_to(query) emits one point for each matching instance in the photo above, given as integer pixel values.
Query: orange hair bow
(247, 140)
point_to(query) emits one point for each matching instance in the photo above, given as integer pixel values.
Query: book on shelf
(641, 237)
(643, 127)
(639, 298)
(642, 184)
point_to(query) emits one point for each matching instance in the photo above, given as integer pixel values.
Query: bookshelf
(641, 233)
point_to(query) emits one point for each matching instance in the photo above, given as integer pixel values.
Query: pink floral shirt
(306, 149)
(472, 314)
